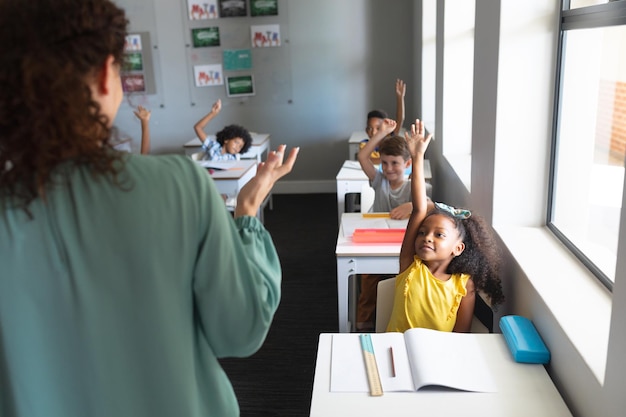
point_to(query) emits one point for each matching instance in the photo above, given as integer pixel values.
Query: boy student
(392, 191)
(375, 119)
(392, 194)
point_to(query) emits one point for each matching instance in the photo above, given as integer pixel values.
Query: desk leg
(345, 268)
(341, 202)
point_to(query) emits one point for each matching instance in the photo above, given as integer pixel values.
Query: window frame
(596, 16)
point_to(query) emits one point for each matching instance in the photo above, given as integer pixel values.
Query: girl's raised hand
(415, 138)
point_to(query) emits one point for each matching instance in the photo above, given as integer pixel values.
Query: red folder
(378, 235)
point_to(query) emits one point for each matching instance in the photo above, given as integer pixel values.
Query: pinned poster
(204, 37)
(132, 42)
(208, 75)
(133, 83)
(265, 36)
(237, 59)
(240, 86)
(263, 8)
(233, 8)
(133, 61)
(202, 9)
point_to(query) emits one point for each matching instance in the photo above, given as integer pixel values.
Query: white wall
(345, 57)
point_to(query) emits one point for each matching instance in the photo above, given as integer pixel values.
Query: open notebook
(422, 358)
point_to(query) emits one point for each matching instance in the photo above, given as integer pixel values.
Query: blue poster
(237, 59)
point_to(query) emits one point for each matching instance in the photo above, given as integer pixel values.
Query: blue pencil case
(523, 340)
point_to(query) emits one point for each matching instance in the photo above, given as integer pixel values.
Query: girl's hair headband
(454, 212)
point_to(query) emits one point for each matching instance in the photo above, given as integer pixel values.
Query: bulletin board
(138, 68)
(237, 51)
(141, 71)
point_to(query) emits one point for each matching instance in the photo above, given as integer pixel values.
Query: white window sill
(578, 301)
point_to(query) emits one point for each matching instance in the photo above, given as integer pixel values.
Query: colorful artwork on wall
(202, 9)
(265, 36)
(208, 75)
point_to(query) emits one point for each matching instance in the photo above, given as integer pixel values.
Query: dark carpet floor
(277, 380)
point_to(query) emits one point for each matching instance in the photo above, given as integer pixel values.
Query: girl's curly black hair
(48, 116)
(235, 131)
(481, 257)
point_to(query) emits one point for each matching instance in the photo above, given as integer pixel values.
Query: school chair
(482, 322)
(384, 303)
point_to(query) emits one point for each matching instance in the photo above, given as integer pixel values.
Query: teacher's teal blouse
(118, 300)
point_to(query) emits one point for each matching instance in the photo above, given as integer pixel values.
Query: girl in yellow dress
(447, 255)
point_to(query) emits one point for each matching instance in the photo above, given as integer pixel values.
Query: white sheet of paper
(348, 366)
(352, 165)
(224, 165)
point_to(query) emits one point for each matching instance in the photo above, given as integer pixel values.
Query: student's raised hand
(217, 106)
(400, 88)
(142, 113)
(416, 139)
(388, 126)
(254, 192)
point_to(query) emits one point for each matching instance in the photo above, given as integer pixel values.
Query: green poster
(237, 59)
(205, 37)
(263, 8)
(242, 85)
(133, 62)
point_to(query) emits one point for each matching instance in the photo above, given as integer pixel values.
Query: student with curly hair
(447, 255)
(229, 142)
(123, 278)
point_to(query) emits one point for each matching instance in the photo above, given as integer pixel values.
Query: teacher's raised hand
(254, 192)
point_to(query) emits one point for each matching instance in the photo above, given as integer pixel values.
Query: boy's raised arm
(400, 92)
(367, 165)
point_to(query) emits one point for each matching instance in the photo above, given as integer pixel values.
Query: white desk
(354, 143)
(360, 258)
(523, 390)
(351, 179)
(229, 181)
(260, 146)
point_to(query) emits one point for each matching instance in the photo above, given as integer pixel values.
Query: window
(584, 3)
(458, 82)
(429, 64)
(589, 147)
